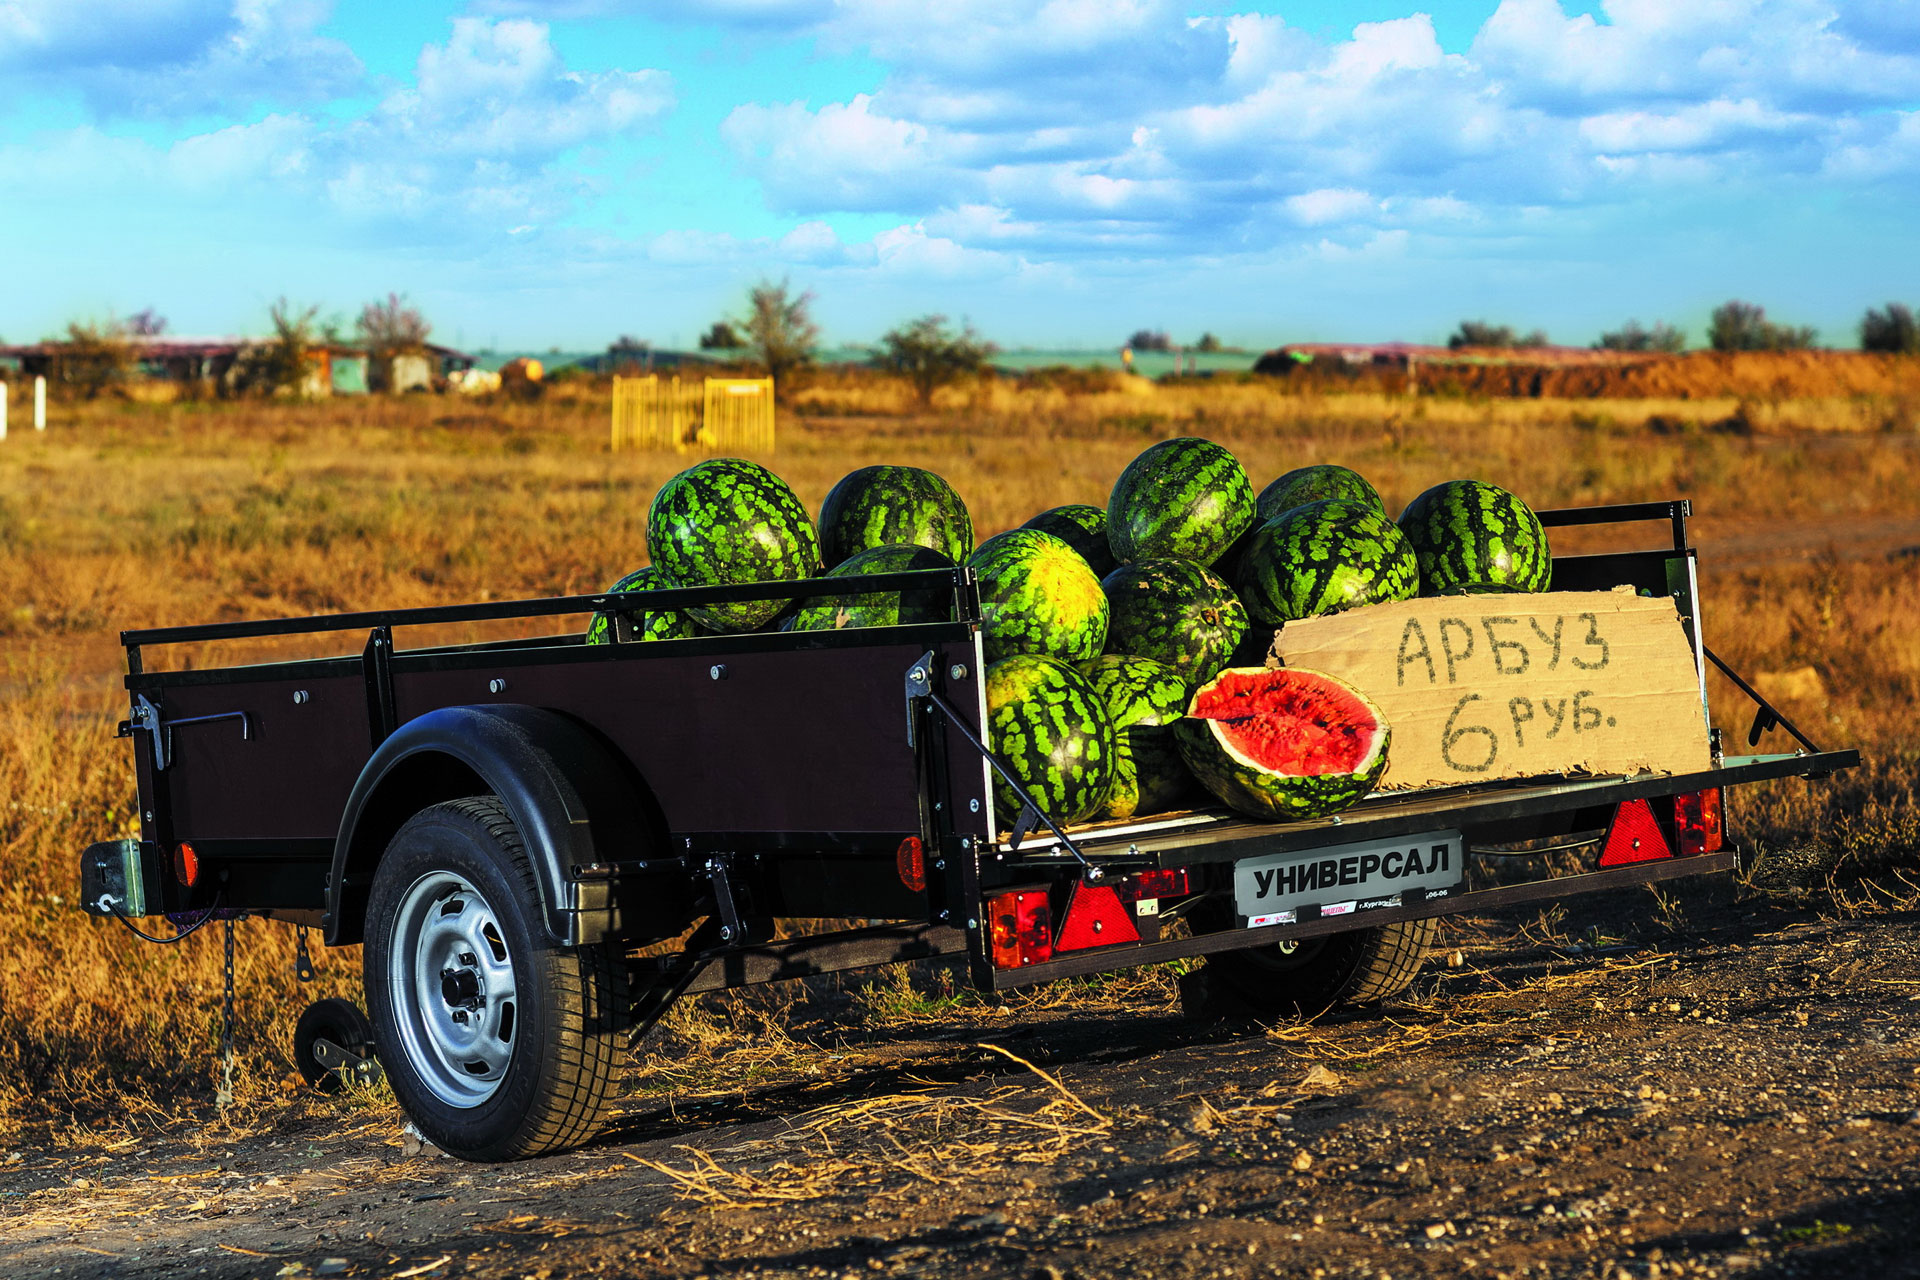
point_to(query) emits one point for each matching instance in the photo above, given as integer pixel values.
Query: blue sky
(541, 173)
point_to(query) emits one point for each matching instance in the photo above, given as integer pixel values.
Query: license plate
(1345, 877)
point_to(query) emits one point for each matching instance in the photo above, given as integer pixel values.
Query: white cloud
(474, 145)
(1072, 127)
(175, 57)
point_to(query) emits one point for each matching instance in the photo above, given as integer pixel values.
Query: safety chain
(224, 1098)
(302, 958)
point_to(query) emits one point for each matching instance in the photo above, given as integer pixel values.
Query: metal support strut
(920, 688)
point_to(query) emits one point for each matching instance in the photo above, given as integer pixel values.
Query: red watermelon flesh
(1291, 723)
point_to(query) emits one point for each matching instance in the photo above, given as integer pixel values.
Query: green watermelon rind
(648, 624)
(1185, 497)
(1145, 699)
(1314, 484)
(878, 609)
(881, 506)
(1446, 526)
(1082, 527)
(729, 522)
(1037, 595)
(1247, 788)
(1325, 557)
(1049, 727)
(1156, 608)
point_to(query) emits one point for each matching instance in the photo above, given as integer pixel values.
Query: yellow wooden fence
(713, 415)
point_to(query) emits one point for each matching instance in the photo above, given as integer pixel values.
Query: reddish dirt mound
(1577, 375)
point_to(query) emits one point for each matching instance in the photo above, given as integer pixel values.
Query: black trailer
(504, 825)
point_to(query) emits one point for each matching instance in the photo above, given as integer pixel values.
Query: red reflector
(911, 862)
(1699, 821)
(186, 863)
(1635, 837)
(1095, 918)
(1171, 883)
(1021, 928)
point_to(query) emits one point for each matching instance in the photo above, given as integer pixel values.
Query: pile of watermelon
(1124, 644)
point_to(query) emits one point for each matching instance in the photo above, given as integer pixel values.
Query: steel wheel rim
(451, 959)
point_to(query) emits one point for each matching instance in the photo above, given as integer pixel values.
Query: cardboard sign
(1515, 686)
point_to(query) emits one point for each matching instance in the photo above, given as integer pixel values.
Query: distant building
(338, 369)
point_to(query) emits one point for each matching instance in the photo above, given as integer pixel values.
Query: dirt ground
(1711, 1080)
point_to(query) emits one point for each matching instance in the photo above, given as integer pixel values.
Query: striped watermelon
(1314, 484)
(1286, 744)
(1176, 613)
(1052, 730)
(1082, 527)
(1322, 558)
(727, 521)
(648, 624)
(1186, 497)
(1038, 596)
(1144, 698)
(1470, 536)
(885, 609)
(882, 506)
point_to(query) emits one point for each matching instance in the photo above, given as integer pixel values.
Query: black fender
(574, 798)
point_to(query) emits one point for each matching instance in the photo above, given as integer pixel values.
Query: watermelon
(1052, 730)
(1470, 536)
(1144, 698)
(1082, 527)
(1314, 484)
(1174, 612)
(648, 624)
(1322, 558)
(883, 609)
(1038, 596)
(883, 506)
(1186, 497)
(727, 521)
(1287, 744)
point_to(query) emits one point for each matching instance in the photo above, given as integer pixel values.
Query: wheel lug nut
(468, 958)
(460, 1015)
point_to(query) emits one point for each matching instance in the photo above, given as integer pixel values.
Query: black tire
(1354, 967)
(335, 1020)
(541, 1025)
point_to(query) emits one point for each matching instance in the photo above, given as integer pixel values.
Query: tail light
(186, 863)
(1095, 917)
(1174, 882)
(1635, 836)
(1020, 928)
(1699, 822)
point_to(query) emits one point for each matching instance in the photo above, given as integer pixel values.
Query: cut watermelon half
(1286, 744)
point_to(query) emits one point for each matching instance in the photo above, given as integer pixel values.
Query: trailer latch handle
(160, 732)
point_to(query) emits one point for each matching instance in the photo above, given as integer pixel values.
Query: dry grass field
(127, 515)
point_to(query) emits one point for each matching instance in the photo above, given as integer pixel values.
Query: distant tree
(145, 324)
(779, 328)
(1482, 333)
(392, 326)
(283, 361)
(1742, 326)
(930, 355)
(96, 356)
(629, 352)
(1892, 331)
(1150, 340)
(1631, 337)
(1209, 343)
(721, 337)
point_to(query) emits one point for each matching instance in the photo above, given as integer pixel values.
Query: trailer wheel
(1287, 980)
(498, 1044)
